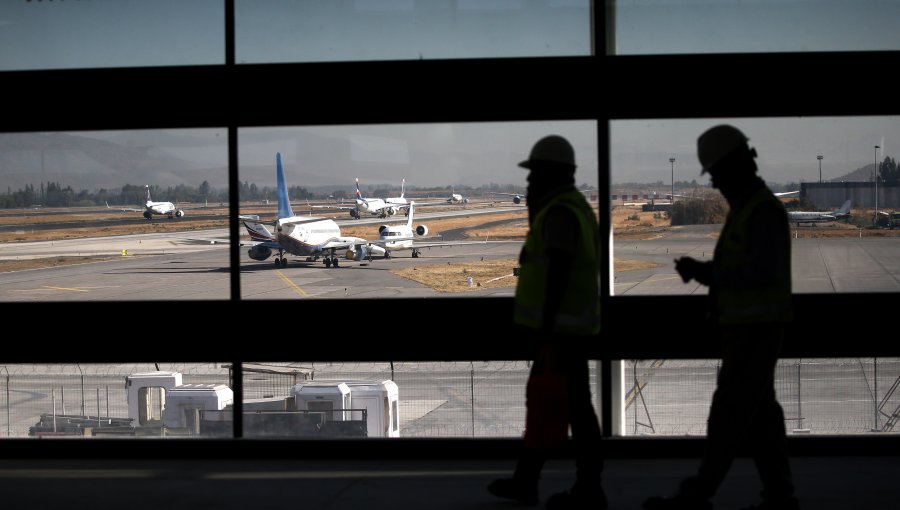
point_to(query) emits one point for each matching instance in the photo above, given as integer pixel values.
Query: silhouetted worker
(749, 283)
(557, 311)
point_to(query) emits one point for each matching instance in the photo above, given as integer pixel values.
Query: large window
(823, 168)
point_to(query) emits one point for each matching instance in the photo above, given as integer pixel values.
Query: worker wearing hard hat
(749, 281)
(557, 311)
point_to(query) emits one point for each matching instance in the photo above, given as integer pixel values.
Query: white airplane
(304, 236)
(151, 208)
(456, 198)
(402, 237)
(799, 217)
(787, 193)
(378, 206)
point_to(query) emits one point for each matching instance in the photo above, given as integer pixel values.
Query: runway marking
(293, 285)
(69, 289)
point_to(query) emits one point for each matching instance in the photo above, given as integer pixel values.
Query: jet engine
(179, 213)
(259, 252)
(381, 229)
(391, 211)
(358, 252)
(421, 230)
(517, 199)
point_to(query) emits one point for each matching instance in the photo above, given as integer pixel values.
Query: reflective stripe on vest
(768, 303)
(579, 312)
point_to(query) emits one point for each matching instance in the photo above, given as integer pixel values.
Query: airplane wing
(338, 207)
(123, 209)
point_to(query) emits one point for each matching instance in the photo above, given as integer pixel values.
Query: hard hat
(551, 149)
(716, 143)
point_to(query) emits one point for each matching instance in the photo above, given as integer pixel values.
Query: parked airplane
(401, 237)
(799, 217)
(151, 208)
(309, 236)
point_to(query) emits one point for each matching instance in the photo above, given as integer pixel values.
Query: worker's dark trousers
(744, 413)
(586, 434)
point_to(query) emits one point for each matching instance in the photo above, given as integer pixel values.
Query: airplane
(309, 236)
(378, 206)
(519, 197)
(401, 237)
(456, 198)
(813, 217)
(787, 193)
(151, 208)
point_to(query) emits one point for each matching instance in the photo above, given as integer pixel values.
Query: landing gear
(331, 261)
(280, 261)
(415, 254)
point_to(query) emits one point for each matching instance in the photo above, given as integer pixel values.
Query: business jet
(157, 208)
(403, 237)
(814, 217)
(518, 198)
(303, 236)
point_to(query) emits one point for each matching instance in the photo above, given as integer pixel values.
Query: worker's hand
(687, 268)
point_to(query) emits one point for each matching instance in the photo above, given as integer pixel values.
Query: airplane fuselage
(308, 238)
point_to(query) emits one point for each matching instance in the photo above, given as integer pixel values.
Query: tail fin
(409, 220)
(403, 188)
(148, 192)
(284, 203)
(845, 208)
(358, 193)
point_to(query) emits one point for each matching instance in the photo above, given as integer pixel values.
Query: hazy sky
(99, 33)
(429, 155)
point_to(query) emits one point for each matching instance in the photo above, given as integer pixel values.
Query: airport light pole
(819, 157)
(876, 186)
(672, 200)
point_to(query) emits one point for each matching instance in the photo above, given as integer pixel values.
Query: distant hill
(89, 163)
(862, 174)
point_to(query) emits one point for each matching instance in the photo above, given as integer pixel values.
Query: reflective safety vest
(769, 302)
(579, 312)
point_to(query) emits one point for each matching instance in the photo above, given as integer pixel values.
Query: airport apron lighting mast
(672, 200)
(876, 185)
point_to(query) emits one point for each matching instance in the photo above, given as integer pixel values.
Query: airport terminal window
(819, 164)
(735, 26)
(133, 215)
(125, 33)
(845, 396)
(304, 31)
(461, 181)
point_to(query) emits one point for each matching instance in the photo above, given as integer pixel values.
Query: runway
(819, 265)
(194, 265)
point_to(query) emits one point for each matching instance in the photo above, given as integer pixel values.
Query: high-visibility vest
(771, 300)
(579, 312)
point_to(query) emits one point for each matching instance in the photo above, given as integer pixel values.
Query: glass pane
(831, 251)
(461, 182)
(90, 400)
(124, 33)
(361, 30)
(741, 26)
(818, 396)
(117, 215)
(400, 399)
